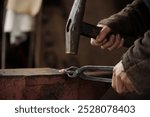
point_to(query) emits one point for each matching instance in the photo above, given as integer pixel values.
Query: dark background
(50, 34)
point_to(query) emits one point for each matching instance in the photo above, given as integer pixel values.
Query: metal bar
(30, 72)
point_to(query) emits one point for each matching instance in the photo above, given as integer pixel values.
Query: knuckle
(92, 43)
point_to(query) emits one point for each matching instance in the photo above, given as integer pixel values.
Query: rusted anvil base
(43, 83)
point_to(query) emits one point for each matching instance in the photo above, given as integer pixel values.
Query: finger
(113, 82)
(128, 84)
(116, 43)
(109, 43)
(130, 87)
(121, 43)
(104, 41)
(114, 79)
(93, 42)
(103, 33)
(120, 88)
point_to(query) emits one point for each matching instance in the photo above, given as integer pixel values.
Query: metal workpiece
(30, 72)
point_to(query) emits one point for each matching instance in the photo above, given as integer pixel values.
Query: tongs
(91, 72)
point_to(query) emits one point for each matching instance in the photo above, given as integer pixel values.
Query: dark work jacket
(134, 20)
(147, 2)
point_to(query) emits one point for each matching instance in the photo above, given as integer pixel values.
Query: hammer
(75, 27)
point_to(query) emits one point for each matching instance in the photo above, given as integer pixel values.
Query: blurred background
(44, 46)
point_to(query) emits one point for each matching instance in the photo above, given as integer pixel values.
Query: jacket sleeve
(133, 20)
(136, 62)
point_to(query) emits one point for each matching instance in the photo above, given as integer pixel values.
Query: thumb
(103, 33)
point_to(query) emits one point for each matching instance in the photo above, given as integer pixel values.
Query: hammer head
(73, 26)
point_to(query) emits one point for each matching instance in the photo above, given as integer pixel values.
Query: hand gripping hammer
(75, 27)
